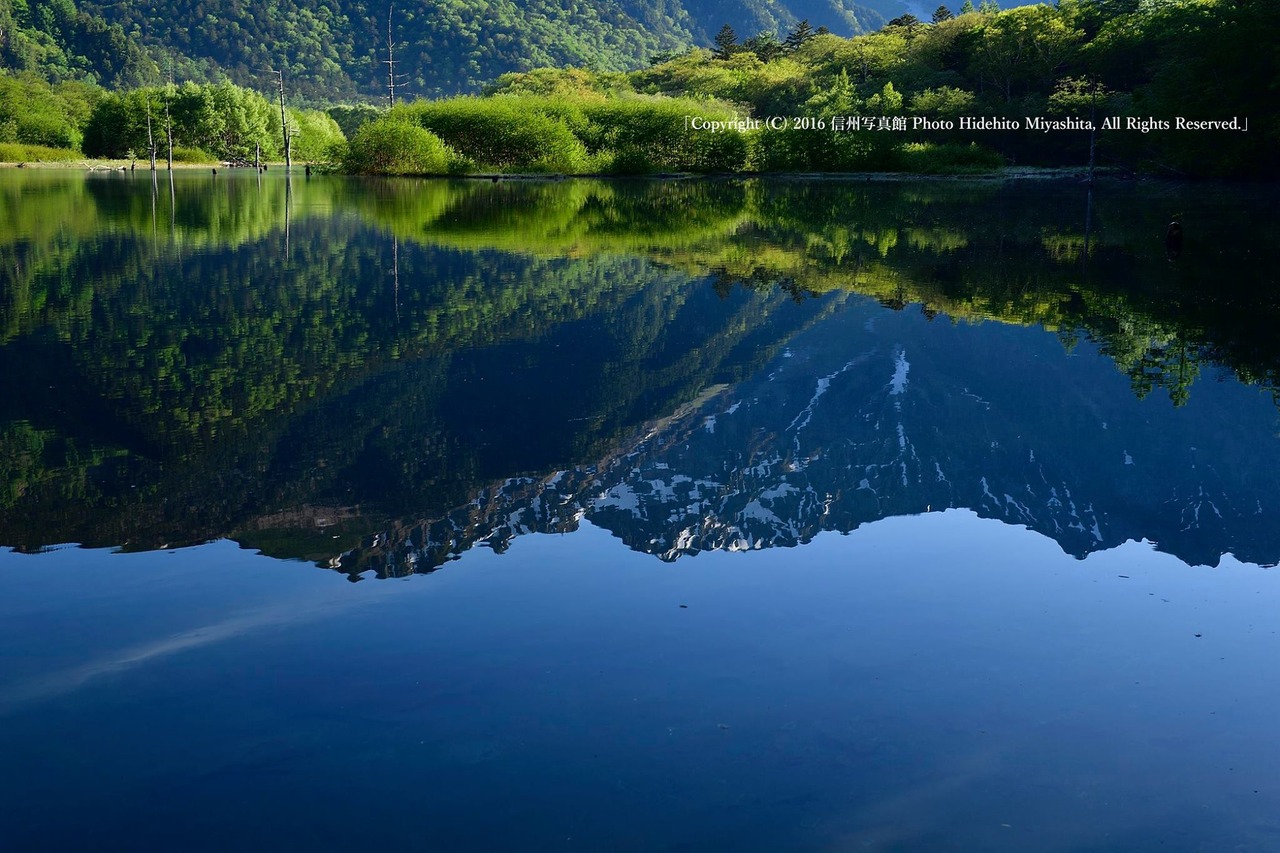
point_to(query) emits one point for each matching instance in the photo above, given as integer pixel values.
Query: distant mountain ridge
(336, 49)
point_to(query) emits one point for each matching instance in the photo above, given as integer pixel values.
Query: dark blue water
(932, 682)
(813, 518)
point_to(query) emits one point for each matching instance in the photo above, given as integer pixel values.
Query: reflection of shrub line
(741, 231)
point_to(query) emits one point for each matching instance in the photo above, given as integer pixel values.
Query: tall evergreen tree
(967, 8)
(797, 37)
(940, 14)
(726, 43)
(765, 46)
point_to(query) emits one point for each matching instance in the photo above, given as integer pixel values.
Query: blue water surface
(930, 682)
(744, 515)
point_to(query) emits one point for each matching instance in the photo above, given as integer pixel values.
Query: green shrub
(187, 154)
(578, 134)
(927, 158)
(317, 135)
(393, 146)
(35, 112)
(652, 134)
(505, 134)
(628, 162)
(47, 129)
(17, 152)
(779, 150)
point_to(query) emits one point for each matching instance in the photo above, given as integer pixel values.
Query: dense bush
(927, 158)
(784, 150)
(51, 131)
(577, 134)
(394, 146)
(319, 138)
(17, 152)
(34, 112)
(503, 133)
(182, 154)
(650, 134)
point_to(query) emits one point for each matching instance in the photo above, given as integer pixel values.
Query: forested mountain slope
(338, 48)
(58, 41)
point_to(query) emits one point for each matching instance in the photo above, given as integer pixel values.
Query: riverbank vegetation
(1036, 77)
(224, 121)
(47, 122)
(891, 100)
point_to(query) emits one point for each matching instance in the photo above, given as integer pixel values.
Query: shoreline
(1064, 174)
(1011, 172)
(90, 165)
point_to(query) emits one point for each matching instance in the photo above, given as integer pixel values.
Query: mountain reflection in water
(377, 377)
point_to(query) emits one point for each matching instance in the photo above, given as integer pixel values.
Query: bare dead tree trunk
(391, 61)
(284, 123)
(392, 82)
(168, 120)
(151, 140)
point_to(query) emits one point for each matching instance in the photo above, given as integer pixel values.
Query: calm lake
(637, 515)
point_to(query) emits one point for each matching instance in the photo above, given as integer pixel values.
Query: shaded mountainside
(336, 48)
